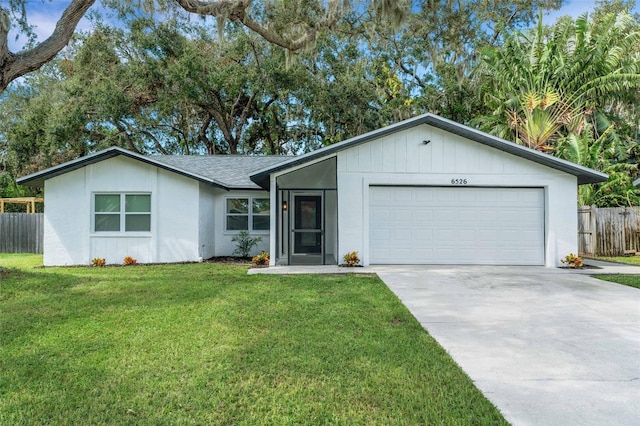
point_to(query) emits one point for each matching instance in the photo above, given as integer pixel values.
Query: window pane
(261, 206)
(138, 203)
(107, 222)
(237, 205)
(137, 222)
(237, 223)
(107, 203)
(261, 223)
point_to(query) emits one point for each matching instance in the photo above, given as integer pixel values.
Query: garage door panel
(457, 225)
(424, 235)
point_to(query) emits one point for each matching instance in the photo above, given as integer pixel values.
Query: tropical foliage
(571, 90)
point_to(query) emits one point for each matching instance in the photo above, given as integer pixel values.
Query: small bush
(573, 261)
(351, 258)
(244, 243)
(98, 261)
(261, 259)
(128, 260)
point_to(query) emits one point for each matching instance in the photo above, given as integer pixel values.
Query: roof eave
(37, 179)
(584, 174)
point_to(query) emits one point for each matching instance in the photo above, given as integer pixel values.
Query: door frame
(308, 259)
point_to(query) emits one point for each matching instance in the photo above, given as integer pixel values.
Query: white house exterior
(186, 218)
(423, 191)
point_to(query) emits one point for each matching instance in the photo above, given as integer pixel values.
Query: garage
(428, 190)
(456, 225)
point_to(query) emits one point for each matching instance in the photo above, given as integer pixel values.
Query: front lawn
(209, 344)
(630, 280)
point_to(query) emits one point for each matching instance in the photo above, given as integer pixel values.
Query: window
(244, 214)
(117, 212)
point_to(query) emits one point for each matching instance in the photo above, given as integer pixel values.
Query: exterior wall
(207, 228)
(223, 244)
(66, 220)
(403, 159)
(68, 215)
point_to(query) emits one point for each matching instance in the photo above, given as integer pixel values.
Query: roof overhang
(585, 175)
(37, 179)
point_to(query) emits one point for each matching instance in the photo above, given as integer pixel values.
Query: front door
(307, 233)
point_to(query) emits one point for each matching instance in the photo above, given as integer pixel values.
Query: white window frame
(122, 214)
(249, 213)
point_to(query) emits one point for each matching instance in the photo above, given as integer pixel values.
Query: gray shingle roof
(232, 171)
(636, 182)
(224, 171)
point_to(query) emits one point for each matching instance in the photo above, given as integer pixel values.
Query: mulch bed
(229, 259)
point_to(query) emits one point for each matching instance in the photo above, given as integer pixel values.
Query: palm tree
(550, 83)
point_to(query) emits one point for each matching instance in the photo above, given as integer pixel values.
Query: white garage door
(434, 225)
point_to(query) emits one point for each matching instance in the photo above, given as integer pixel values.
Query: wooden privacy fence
(608, 231)
(21, 232)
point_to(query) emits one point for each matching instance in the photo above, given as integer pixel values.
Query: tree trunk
(14, 65)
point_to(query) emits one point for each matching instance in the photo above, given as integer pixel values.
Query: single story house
(422, 191)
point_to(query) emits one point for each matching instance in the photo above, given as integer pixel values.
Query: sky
(43, 15)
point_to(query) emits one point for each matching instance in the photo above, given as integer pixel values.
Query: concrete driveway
(546, 346)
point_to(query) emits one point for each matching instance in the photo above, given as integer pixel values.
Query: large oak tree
(292, 25)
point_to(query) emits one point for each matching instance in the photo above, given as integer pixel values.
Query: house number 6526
(458, 181)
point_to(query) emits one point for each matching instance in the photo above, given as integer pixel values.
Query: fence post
(594, 229)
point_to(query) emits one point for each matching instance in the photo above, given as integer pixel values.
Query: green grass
(630, 280)
(631, 260)
(20, 260)
(209, 344)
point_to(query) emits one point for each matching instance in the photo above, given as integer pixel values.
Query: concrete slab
(308, 269)
(546, 346)
(600, 267)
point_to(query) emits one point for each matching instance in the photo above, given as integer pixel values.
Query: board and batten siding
(403, 159)
(70, 240)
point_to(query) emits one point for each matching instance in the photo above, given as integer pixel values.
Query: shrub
(244, 243)
(573, 261)
(98, 261)
(128, 260)
(351, 258)
(261, 259)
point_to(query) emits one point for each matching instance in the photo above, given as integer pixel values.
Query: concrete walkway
(597, 268)
(547, 346)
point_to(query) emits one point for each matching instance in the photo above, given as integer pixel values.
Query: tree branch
(14, 65)
(237, 11)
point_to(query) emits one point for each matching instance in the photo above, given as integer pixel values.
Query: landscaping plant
(573, 261)
(245, 243)
(261, 259)
(98, 261)
(351, 258)
(128, 260)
